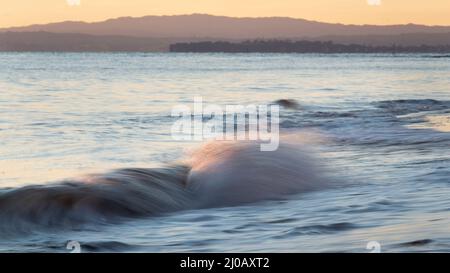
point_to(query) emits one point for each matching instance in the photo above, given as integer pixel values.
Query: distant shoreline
(287, 46)
(83, 43)
(42, 41)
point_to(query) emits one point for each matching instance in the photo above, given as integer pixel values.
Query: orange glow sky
(432, 12)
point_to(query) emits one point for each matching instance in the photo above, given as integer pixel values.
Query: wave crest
(228, 174)
(218, 174)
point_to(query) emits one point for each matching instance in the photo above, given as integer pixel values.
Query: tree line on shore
(288, 46)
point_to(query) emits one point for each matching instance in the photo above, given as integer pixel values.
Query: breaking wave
(218, 174)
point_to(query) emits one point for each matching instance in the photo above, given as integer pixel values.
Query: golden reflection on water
(439, 123)
(21, 172)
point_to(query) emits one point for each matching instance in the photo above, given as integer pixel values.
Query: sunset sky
(382, 12)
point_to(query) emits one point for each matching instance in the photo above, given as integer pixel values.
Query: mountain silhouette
(157, 33)
(201, 25)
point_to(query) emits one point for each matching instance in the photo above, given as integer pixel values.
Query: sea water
(383, 123)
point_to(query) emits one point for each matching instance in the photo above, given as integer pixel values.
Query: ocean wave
(227, 174)
(219, 174)
(403, 107)
(317, 230)
(389, 123)
(94, 199)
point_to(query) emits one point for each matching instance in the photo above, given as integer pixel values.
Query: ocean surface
(377, 127)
